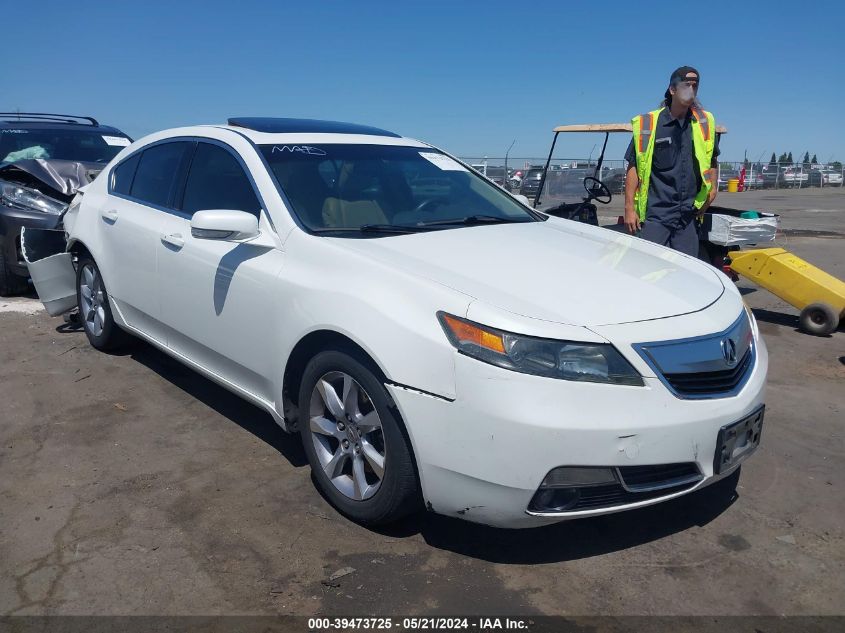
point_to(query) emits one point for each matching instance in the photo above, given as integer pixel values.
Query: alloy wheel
(93, 300)
(347, 434)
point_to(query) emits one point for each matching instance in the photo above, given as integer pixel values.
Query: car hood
(558, 270)
(63, 177)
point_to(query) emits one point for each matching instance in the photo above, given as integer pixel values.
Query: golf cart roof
(611, 127)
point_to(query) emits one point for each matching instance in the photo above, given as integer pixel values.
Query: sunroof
(281, 126)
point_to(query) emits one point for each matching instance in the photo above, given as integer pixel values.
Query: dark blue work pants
(681, 235)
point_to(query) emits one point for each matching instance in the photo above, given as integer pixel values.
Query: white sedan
(436, 342)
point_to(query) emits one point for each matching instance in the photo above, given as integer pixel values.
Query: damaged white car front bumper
(487, 454)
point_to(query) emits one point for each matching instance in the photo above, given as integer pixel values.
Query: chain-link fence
(523, 174)
(780, 175)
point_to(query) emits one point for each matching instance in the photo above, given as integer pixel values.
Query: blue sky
(467, 76)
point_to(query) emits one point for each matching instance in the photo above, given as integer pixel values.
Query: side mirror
(224, 224)
(522, 199)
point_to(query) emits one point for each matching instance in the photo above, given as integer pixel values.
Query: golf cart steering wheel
(597, 190)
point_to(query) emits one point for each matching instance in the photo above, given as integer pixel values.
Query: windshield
(78, 145)
(563, 186)
(344, 187)
(566, 186)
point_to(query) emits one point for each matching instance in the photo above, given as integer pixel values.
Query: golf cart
(559, 185)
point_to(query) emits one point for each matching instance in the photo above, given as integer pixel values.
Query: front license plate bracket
(737, 441)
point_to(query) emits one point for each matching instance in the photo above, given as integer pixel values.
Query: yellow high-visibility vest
(703, 142)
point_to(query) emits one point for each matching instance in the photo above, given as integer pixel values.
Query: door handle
(110, 215)
(174, 239)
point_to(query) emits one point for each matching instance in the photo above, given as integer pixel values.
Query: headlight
(566, 360)
(19, 196)
(753, 321)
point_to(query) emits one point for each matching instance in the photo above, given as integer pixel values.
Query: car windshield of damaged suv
(365, 190)
(59, 144)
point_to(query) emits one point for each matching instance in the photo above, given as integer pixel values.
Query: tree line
(787, 158)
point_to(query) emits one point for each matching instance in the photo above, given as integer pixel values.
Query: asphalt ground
(131, 485)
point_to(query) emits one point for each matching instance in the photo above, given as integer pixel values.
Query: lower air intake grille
(660, 477)
(634, 484)
(614, 495)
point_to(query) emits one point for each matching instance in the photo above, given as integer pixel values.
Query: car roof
(275, 125)
(273, 130)
(10, 123)
(277, 131)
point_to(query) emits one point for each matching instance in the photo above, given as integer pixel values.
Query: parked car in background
(825, 178)
(531, 182)
(772, 176)
(726, 174)
(492, 172)
(44, 158)
(754, 179)
(497, 175)
(411, 338)
(795, 177)
(832, 177)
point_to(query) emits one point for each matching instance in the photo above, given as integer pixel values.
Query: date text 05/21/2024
(420, 623)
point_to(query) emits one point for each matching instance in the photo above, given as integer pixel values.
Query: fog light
(562, 488)
(555, 499)
(576, 476)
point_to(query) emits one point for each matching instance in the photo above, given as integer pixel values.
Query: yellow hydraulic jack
(819, 296)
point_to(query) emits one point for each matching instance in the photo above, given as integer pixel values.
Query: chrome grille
(711, 382)
(711, 366)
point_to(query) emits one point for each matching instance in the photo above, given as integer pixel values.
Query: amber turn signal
(467, 332)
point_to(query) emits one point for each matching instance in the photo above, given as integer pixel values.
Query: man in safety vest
(672, 167)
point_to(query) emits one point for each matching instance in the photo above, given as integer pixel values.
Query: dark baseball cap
(679, 75)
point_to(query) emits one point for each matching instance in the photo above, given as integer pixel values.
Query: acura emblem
(729, 351)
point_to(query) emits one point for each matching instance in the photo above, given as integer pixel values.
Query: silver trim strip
(669, 483)
(625, 506)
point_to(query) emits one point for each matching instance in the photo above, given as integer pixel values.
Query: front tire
(359, 453)
(94, 308)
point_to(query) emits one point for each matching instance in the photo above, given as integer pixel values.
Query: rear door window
(216, 180)
(123, 174)
(155, 176)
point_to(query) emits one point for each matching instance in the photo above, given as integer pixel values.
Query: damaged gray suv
(44, 159)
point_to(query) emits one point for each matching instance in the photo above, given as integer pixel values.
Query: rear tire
(95, 313)
(359, 453)
(10, 283)
(819, 319)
